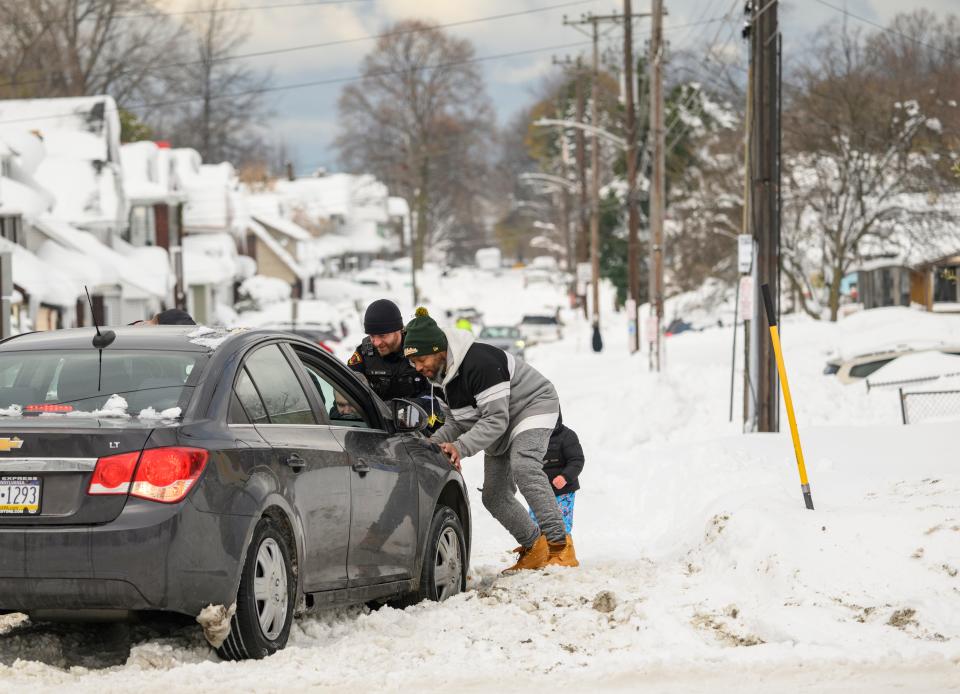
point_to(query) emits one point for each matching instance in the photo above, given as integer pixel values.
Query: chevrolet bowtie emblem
(8, 444)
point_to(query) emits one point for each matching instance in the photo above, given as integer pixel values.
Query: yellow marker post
(787, 400)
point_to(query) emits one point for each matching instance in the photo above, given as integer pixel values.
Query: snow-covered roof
(43, 282)
(210, 259)
(135, 270)
(86, 127)
(397, 207)
(268, 209)
(282, 253)
(147, 175)
(17, 198)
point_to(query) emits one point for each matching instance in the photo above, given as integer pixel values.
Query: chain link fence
(925, 406)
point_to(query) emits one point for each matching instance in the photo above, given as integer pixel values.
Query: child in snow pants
(562, 464)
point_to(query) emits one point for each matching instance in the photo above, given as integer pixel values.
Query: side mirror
(408, 416)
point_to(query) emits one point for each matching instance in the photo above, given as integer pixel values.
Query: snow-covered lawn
(701, 568)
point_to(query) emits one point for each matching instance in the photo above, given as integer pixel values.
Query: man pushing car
(506, 408)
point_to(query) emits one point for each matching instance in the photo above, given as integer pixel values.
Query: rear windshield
(145, 379)
(539, 320)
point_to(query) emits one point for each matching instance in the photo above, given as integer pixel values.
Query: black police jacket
(391, 376)
(564, 456)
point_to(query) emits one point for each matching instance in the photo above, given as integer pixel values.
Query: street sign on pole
(744, 253)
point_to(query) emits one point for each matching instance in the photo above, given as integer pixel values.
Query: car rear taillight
(112, 475)
(164, 474)
(167, 474)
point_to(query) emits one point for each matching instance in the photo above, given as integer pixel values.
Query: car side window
(341, 408)
(274, 378)
(247, 397)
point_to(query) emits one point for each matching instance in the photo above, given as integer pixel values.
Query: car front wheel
(444, 571)
(265, 599)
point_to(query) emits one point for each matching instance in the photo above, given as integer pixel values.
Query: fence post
(903, 407)
(6, 294)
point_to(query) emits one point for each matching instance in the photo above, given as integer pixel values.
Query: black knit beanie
(423, 336)
(382, 317)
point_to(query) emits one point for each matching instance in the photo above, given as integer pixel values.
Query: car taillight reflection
(60, 409)
(164, 474)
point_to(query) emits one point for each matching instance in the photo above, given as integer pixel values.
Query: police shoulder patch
(355, 359)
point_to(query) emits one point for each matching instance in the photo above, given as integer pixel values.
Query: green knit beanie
(423, 336)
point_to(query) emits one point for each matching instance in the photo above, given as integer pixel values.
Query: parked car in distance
(323, 335)
(854, 369)
(177, 468)
(540, 328)
(506, 337)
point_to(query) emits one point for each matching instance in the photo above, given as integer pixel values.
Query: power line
(339, 42)
(316, 83)
(156, 14)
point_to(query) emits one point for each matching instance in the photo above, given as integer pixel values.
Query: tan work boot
(531, 557)
(562, 555)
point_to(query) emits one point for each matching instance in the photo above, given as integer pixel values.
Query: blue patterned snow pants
(565, 501)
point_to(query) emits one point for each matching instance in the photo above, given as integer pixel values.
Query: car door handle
(360, 466)
(295, 462)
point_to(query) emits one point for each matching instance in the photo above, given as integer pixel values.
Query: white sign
(744, 253)
(650, 328)
(584, 272)
(746, 297)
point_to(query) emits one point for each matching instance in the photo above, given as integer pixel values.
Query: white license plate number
(19, 496)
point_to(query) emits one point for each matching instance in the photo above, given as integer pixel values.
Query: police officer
(380, 359)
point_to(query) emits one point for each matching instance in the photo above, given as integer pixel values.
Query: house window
(11, 228)
(142, 230)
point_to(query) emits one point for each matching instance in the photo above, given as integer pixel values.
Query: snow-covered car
(234, 477)
(540, 328)
(506, 337)
(854, 369)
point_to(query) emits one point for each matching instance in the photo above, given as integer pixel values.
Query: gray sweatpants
(522, 467)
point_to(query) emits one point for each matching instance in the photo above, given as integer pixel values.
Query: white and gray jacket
(492, 397)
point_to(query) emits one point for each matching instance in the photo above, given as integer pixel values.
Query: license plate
(19, 496)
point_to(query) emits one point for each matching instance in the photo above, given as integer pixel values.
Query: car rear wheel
(444, 571)
(265, 599)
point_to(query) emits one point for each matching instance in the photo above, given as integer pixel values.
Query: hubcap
(270, 588)
(448, 569)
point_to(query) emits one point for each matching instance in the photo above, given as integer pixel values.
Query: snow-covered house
(917, 264)
(214, 223)
(350, 216)
(281, 248)
(81, 231)
(43, 298)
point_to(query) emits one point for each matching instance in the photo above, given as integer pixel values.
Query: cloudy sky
(306, 118)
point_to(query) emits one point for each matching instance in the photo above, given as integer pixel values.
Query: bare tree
(419, 120)
(859, 171)
(82, 47)
(225, 98)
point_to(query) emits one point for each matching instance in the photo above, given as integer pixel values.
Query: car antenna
(101, 339)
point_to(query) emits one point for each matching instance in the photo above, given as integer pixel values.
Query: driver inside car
(343, 408)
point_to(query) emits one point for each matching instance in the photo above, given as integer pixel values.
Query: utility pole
(633, 216)
(765, 201)
(657, 181)
(594, 21)
(582, 233)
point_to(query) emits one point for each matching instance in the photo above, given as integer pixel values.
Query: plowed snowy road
(701, 570)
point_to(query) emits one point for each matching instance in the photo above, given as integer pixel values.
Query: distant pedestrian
(562, 464)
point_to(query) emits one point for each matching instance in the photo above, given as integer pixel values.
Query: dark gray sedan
(190, 471)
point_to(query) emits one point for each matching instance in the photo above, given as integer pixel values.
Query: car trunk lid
(46, 464)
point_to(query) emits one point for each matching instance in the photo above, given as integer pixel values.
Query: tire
(273, 599)
(444, 572)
